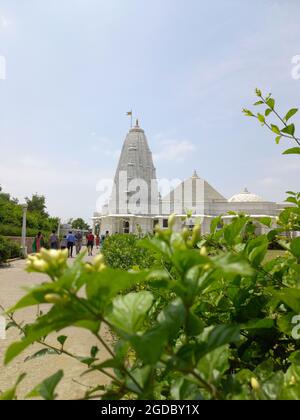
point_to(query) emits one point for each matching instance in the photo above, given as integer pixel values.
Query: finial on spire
(137, 122)
(195, 175)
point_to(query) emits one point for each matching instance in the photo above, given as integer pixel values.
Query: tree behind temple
(80, 224)
(37, 203)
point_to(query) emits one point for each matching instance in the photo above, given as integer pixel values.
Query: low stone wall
(18, 240)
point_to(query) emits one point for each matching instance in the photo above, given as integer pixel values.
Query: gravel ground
(13, 280)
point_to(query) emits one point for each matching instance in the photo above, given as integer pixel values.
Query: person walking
(38, 243)
(63, 243)
(97, 241)
(90, 243)
(53, 241)
(78, 237)
(70, 243)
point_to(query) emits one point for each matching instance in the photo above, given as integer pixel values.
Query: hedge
(123, 251)
(8, 249)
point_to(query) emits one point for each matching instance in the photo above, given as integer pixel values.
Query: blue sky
(186, 67)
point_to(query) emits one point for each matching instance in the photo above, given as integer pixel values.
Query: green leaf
(185, 260)
(278, 138)
(141, 376)
(290, 129)
(271, 103)
(261, 118)
(158, 245)
(248, 113)
(259, 324)
(46, 389)
(295, 247)
(94, 351)
(62, 339)
(293, 151)
(290, 297)
(217, 337)
(268, 112)
(35, 296)
(128, 312)
(233, 231)
(172, 318)
(292, 200)
(233, 264)
(290, 393)
(290, 114)
(273, 386)
(256, 250)
(150, 345)
(258, 92)
(216, 222)
(11, 393)
(275, 129)
(267, 221)
(214, 364)
(194, 325)
(183, 389)
(104, 286)
(258, 103)
(41, 353)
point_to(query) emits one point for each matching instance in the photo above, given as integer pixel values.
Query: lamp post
(23, 243)
(58, 228)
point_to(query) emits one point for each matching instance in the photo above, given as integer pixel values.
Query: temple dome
(245, 197)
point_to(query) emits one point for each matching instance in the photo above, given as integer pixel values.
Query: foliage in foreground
(225, 331)
(215, 322)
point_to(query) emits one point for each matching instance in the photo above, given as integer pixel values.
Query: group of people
(70, 241)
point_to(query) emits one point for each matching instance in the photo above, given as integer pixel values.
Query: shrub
(123, 251)
(11, 230)
(8, 249)
(4, 251)
(226, 331)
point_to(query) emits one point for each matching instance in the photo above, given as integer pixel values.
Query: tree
(79, 224)
(37, 203)
(11, 215)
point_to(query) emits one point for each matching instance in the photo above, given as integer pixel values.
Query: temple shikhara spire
(138, 204)
(135, 175)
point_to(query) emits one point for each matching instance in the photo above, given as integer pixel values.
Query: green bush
(10, 230)
(11, 216)
(227, 329)
(8, 249)
(123, 251)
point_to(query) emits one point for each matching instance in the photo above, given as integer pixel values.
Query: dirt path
(13, 280)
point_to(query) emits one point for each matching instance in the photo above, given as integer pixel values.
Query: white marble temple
(136, 205)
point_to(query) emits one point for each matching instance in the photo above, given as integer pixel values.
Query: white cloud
(4, 22)
(173, 150)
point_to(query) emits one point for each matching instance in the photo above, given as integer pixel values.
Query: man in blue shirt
(71, 242)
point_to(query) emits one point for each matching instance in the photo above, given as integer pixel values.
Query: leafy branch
(287, 129)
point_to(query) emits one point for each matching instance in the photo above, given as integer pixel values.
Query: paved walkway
(12, 281)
